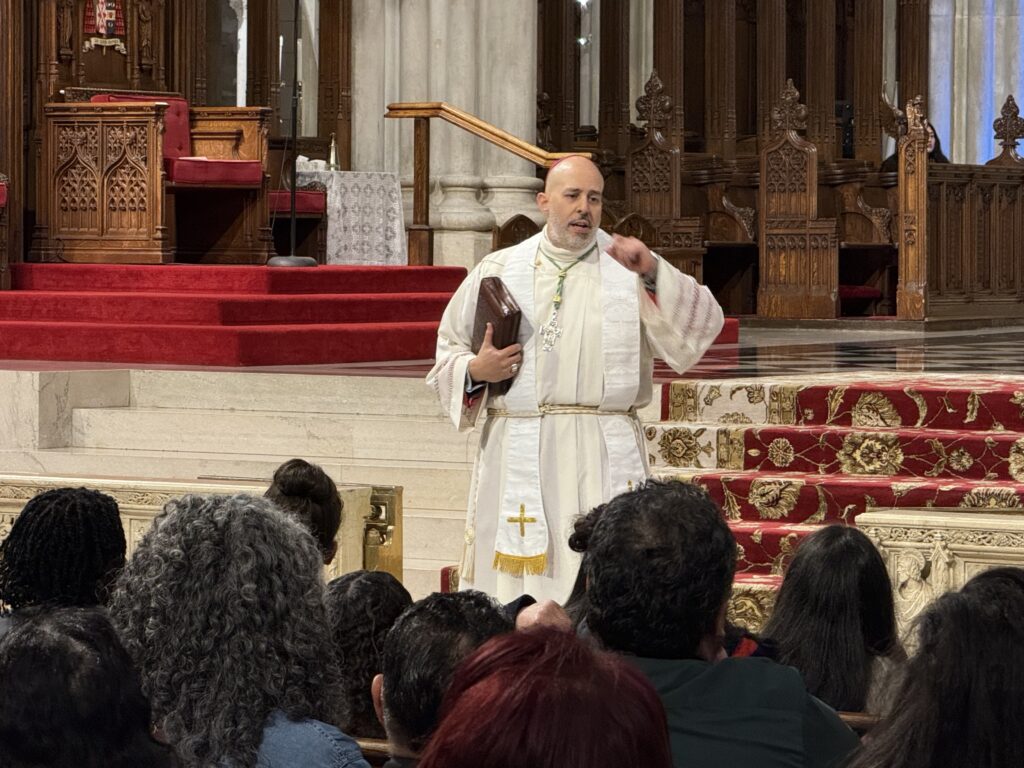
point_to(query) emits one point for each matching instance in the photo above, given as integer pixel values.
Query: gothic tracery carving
(652, 171)
(789, 114)
(654, 106)
(787, 170)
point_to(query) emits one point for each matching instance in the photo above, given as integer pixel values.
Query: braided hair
(64, 548)
(308, 494)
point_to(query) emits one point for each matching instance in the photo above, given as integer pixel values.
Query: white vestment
(565, 438)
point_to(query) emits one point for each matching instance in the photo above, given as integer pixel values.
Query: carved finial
(789, 114)
(1010, 126)
(654, 106)
(915, 114)
(894, 121)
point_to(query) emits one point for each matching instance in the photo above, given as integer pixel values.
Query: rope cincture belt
(553, 410)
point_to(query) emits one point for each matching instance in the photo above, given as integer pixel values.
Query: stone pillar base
(461, 208)
(460, 248)
(509, 196)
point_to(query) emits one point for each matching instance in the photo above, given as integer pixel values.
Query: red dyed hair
(545, 699)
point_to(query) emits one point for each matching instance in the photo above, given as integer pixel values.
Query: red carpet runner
(782, 457)
(226, 316)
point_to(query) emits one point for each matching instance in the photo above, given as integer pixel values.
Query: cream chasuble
(564, 438)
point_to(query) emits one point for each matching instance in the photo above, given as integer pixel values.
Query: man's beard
(563, 236)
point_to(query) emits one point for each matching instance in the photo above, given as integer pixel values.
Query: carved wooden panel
(914, 226)
(105, 201)
(514, 231)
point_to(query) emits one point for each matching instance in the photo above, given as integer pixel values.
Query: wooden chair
(142, 178)
(798, 252)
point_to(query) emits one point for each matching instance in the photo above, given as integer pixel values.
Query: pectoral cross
(522, 520)
(550, 332)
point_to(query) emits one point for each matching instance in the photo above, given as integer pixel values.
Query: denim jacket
(306, 744)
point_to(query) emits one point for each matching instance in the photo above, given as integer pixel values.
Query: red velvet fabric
(177, 133)
(308, 202)
(210, 172)
(3, 195)
(859, 292)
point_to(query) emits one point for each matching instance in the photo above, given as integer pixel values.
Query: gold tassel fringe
(514, 565)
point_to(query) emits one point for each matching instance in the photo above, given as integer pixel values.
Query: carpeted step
(218, 345)
(936, 403)
(190, 278)
(218, 309)
(767, 547)
(814, 498)
(960, 454)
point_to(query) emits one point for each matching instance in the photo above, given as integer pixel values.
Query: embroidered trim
(517, 566)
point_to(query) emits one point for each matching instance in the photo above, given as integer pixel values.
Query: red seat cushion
(211, 172)
(3, 195)
(177, 135)
(859, 292)
(308, 202)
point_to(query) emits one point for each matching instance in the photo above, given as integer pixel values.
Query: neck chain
(551, 331)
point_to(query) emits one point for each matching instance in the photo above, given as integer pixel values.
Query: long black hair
(71, 697)
(65, 548)
(960, 699)
(834, 615)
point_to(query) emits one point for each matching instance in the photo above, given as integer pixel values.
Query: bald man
(565, 437)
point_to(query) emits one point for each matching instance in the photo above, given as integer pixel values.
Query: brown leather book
(496, 306)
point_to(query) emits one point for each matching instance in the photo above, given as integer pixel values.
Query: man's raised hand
(632, 254)
(492, 364)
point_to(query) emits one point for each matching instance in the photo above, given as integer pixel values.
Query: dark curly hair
(579, 540)
(307, 492)
(222, 609)
(64, 548)
(959, 700)
(420, 655)
(71, 697)
(363, 606)
(834, 616)
(660, 563)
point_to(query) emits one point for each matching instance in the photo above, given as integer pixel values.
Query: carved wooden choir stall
(120, 142)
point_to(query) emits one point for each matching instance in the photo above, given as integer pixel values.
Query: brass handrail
(421, 236)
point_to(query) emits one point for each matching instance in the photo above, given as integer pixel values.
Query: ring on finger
(514, 368)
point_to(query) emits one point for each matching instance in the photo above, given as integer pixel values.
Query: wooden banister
(421, 236)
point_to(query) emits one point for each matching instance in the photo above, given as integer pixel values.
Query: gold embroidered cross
(629, 485)
(522, 520)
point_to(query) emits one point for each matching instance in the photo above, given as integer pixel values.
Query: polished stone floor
(760, 352)
(774, 352)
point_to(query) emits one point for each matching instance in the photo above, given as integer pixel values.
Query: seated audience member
(660, 564)
(420, 655)
(306, 492)
(546, 699)
(363, 606)
(935, 155)
(959, 700)
(64, 548)
(834, 619)
(222, 609)
(71, 698)
(576, 605)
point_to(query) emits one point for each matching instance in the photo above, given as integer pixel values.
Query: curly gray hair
(222, 610)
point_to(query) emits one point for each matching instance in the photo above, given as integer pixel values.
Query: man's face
(572, 200)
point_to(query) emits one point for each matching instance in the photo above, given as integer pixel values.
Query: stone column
(508, 70)
(720, 77)
(771, 63)
(820, 71)
(669, 18)
(375, 58)
(912, 49)
(867, 79)
(460, 181)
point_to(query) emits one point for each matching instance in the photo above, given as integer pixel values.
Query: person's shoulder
(763, 679)
(495, 261)
(307, 742)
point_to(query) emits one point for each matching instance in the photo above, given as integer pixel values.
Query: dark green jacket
(747, 713)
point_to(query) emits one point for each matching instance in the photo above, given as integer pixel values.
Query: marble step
(284, 393)
(310, 435)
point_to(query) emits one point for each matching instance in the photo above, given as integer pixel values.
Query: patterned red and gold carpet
(782, 456)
